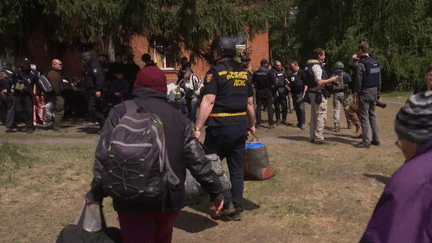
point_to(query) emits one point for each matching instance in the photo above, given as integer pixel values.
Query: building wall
(42, 52)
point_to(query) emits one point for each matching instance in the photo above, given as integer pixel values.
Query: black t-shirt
(228, 82)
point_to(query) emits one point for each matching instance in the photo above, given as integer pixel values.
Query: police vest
(93, 69)
(261, 79)
(372, 75)
(232, 93)
(279, 78)
(296, 83)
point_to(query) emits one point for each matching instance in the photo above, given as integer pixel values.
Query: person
(263, 84)
(427, 86)
(185, 65)
(298, 90)
(341, 95)
(367, 87)
(56, 96)
(280, 92)
(6, 97)
(352, 112)
(24, 80)
(147, 222)
(245, 59)
(118, 90)
(317, 77)
(146, 58)
(94, 83)
(227, 109)
(402, 212)
(190, 87)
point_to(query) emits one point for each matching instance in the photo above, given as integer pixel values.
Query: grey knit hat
(414, 119)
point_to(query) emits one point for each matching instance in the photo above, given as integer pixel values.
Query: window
(163, 61)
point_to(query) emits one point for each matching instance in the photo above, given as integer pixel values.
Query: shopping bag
(256, 165)
(90, 227)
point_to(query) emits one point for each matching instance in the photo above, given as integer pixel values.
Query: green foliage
(173, 24)
(398, 32)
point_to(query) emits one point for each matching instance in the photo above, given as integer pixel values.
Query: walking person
(227, 110)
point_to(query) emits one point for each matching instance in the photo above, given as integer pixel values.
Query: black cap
(87, 56)
(264, 61)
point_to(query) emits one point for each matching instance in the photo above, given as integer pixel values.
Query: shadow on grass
(295, 138)
(88, 130)
(193, 223)
(329, 139)
(380, 178)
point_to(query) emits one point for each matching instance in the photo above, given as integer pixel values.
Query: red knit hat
(151, 77)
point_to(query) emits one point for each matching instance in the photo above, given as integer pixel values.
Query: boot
(337, 128)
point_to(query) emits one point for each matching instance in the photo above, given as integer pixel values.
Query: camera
(381, 104)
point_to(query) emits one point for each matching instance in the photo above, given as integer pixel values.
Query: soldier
(280, 92)
(341, 94)
(262, 81)
(227, 109)
(94, 84)
(24, 80)
(298, 90)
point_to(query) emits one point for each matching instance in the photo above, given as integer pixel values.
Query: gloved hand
(93, 197)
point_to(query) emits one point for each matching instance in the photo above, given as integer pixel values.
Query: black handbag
(90, 227)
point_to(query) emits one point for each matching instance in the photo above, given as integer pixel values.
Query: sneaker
(278, 122)
(303, 127)
(337, 128)
(286, 123)
(376, 143)
(362, 145)
(272, 126)
(29, 130)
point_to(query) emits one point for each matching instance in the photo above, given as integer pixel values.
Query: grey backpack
(138, 168)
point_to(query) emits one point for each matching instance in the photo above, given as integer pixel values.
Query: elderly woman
(404, 211)
(425, 86)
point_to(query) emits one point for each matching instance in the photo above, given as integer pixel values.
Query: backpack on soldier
(138, 168)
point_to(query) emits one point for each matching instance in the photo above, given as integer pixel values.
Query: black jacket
(184, 151)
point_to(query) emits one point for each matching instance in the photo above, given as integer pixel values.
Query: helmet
(339, 65)
(245, 58)
(87, 56)
(226, 46)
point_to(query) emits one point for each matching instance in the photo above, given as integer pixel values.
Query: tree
(174, 24)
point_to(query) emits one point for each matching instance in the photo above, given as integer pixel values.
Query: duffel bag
(256, 165)
(193, 190)
(90, 227)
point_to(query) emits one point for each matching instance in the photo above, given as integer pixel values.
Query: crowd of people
(228, 102)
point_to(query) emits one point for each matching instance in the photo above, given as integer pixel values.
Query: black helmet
(339, 65)
(245, 58)
(87, 56)
(226, 46)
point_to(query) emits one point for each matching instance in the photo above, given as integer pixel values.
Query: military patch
(208, 78)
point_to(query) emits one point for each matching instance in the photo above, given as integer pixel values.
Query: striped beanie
(414, 119)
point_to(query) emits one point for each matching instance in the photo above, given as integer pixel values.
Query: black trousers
(280, 102)
(24, 106)
(95, 108)
(229, 142)
(299, 108)
(264, 97)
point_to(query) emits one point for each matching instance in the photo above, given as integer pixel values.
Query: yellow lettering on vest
(222, 73)
(237, 75)
(239, 82)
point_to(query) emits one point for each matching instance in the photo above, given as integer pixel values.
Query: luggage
(44, 84)
(256, 165)
(90, 227)
(194, 192)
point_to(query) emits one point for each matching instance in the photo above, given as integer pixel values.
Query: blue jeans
(188, 107)
(229, 142)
